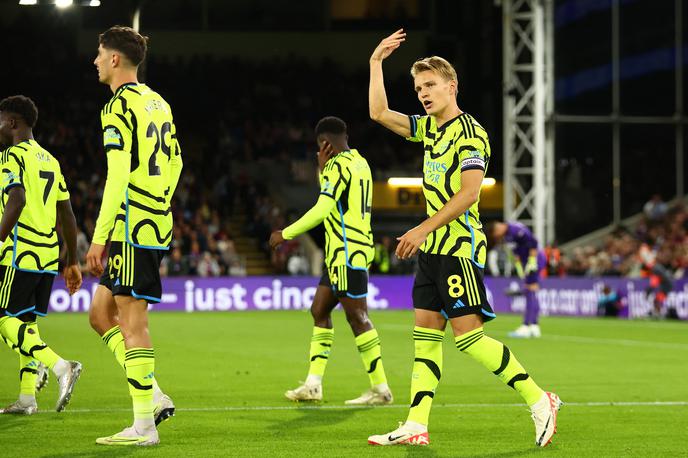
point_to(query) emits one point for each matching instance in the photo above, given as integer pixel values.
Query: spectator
(175, 265)
(655, 209)
(609, 303)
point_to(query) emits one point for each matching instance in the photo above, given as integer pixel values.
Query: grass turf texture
(227, 374)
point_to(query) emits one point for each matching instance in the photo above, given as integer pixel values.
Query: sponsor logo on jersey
(112, 137)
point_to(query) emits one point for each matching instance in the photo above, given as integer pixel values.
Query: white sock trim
(313, 379)
(415, 426)
(381, 388)
(61, 368)
(26, 400)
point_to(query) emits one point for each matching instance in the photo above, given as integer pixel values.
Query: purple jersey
(521, 240)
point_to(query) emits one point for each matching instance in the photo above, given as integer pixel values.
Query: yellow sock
(27, 375)
(28, 340)
(321, 345)
(427, 371)
(368, 345)
(140, 368)
(497, 357)
(114, 340)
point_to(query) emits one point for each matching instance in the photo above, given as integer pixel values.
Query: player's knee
(358, 319)
(133, 329)
(98, 324)
(321, 319)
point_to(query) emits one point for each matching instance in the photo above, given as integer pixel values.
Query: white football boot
(373, 397)
(535, 331)
(18, 408)
(306, 392)
(66, 384)
(164, 409)
(42, 373)
(405, 434)
(130, 436)
(522, 332)
(544, 413)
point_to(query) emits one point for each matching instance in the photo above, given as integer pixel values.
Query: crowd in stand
(661, 238)
(227, 117)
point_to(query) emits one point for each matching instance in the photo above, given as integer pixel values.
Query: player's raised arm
(377, 97)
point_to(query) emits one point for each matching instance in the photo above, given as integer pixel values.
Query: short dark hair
(127, 41)
(330, 125)
(22, 106)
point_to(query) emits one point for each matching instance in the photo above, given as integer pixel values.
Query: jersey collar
(448, 123)
(125, 85)
(28, 140)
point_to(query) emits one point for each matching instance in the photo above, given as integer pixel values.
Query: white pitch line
(395, 406)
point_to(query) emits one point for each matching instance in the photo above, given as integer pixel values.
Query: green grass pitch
(624, 382)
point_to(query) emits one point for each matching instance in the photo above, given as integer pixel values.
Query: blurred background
(248, 80)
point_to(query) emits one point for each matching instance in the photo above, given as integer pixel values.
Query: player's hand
(531, 265)
(72, 276)
(325, 154)
(94, 259)
(276, 239)
(388, 45)
(410, 242)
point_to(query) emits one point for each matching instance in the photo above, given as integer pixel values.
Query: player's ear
(115, 60)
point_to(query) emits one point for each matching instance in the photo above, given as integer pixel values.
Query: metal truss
(528, 101)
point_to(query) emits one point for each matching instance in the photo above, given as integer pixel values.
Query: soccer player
(449, 279)
(144, 164)
(529, 262)
(344, 208)
(34, 198)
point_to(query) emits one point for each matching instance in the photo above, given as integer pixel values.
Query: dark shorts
(451, 286)
(24, 292)
(346, 282)
(132, 271)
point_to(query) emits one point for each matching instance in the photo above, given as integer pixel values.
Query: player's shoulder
(117, 103)
(471, 127)
(133, 96)
(424, 122)
(35, 152)
(338, 163)
(345, 160)
(518, 227)
(345, 157)
(151, 100)
(18, 152)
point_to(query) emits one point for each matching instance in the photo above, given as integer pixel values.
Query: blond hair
(435, 64)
